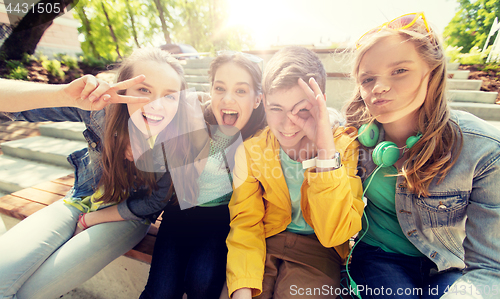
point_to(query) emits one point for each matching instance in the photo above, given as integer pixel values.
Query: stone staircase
(466, 95)
(29, 161)
(196, 73)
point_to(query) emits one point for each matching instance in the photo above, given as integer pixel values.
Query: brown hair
(288, 65)
(257, 120)
(119, 174)
(441, 141)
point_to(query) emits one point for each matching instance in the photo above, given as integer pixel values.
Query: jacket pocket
(442, 210)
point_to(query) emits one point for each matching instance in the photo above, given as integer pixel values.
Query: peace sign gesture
(316, 123)
(90, 93)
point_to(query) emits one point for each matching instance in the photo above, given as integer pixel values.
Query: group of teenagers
(261, 187)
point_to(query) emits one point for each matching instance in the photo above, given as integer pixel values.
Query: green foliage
(475, 55)
(471, 24)
(27, 58)
(13, 64)
(93, 62)
(69, 61)
(200, 23)
(42, 58)
(54, 68)
(491, 67)
(18, 73)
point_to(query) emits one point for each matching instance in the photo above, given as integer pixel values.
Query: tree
(29, 30)
(137, 23)
(471, 24)
(105, 28)
(162, 12)
(202, 23)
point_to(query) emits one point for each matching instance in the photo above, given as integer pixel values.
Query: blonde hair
(441, 141)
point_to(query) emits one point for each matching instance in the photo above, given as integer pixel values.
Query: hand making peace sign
(90, 93)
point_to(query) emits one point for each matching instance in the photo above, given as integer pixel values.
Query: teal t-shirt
(294, 177)
(215, 181)
(385, 231)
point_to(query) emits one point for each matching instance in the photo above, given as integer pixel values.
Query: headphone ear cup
(368, 134)
(385, 154)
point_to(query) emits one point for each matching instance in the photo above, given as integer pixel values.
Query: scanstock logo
(36, 12)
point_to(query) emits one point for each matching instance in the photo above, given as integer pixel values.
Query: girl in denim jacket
(47, 254)
(433, 209)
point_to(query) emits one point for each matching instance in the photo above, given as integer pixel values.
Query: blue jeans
(190, 254)
(40, 259)
(381, 274)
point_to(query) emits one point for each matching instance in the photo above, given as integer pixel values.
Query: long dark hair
(119, 174)
(257, 120)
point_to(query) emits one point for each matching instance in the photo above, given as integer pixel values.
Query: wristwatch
(334, 162)
(330, 163)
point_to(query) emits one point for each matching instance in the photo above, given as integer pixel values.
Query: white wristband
(309, 163)
(330, 163)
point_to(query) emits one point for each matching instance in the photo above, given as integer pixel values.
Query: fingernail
(106, 97)
(92, 98)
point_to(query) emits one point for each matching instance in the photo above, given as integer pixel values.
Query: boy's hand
(317, 123)
(90, 93)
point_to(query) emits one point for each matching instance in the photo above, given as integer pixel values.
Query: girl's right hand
(244, 293)
(90, 93)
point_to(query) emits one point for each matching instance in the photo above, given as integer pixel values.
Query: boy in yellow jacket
(297, 199)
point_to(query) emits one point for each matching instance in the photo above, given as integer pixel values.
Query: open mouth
(152, 119)
(229, 117)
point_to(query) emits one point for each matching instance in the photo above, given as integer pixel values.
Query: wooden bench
(23, 203)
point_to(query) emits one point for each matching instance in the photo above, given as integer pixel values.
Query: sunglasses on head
(399, 23)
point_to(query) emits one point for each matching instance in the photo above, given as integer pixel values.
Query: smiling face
(278, 104)
(162, 86)
(233, 96)
(393, 80)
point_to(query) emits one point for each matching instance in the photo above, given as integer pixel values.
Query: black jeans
(190, 254)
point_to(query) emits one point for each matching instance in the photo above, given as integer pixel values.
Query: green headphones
(386, 153)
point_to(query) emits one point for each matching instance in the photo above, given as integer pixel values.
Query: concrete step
(202, 63)
(462, 84)
(64, 130)
(196, 72)
(472, 96)
(200, 86)
(459, 74)
(43, 149)
(197, 79)
(17, 174)
(490, 112)
(452, 66)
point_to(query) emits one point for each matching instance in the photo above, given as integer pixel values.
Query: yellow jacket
(260, 206)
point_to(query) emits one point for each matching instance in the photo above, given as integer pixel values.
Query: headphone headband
(386, 153)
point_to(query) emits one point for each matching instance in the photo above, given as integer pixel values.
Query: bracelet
(81, 222)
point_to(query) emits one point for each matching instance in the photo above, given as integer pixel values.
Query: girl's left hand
(316, 124)
(77, 231)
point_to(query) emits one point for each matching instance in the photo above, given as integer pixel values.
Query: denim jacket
(87, 162)
(458, 225)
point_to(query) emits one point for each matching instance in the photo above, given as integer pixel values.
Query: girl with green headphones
(430, 174)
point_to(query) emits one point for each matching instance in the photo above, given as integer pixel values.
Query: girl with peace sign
(66, 243)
